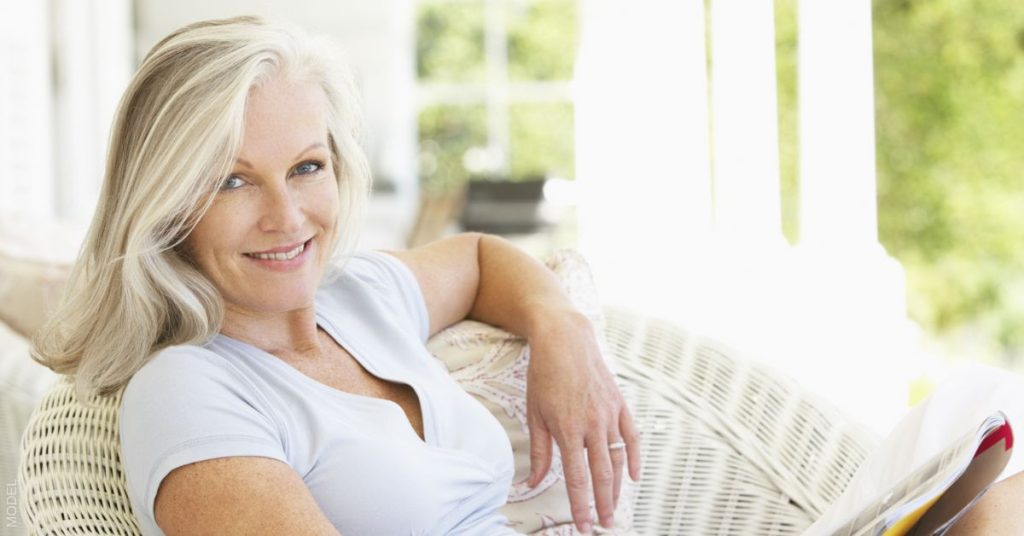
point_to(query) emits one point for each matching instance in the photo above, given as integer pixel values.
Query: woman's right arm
(238, 495)
(997, 512)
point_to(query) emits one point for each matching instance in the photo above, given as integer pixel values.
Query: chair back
(70, 477)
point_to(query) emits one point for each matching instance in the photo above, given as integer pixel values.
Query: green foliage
(542, 40)
(446, 133)
(450, 42)
(542, 140)
(949, 98)
(789, 147)
(949, 79)
(542, 37)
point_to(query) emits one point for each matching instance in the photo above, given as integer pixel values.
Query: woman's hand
(571, 397)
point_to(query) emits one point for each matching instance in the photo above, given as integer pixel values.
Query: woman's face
(264, 241)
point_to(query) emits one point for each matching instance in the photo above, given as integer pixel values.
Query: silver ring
(617, 445)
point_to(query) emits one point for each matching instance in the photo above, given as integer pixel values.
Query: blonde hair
(176, 134)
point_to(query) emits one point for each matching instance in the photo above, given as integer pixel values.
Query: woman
(277, 383)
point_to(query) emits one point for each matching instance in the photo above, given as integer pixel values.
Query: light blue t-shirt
(366, 467)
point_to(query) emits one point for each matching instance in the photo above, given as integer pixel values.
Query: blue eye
(307, 168)
(232, 183)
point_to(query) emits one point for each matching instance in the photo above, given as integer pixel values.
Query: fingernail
(585, 527)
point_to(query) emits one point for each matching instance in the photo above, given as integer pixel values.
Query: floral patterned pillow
(490, 364)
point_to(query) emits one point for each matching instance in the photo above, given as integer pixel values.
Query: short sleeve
(188, 405)
(398, 286)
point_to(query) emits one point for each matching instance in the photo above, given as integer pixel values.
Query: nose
(282, 212)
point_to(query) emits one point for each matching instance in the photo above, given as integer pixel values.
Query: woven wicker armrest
(730, 446)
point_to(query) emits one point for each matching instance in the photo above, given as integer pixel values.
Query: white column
(395, 133)
(92, 53)
(837, 129)
(744, 122)
(847, 293)
(26, 172)
(642, 149)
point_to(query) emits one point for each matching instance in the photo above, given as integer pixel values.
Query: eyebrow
(246, 163)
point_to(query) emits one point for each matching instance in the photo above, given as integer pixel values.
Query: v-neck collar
(391, 374)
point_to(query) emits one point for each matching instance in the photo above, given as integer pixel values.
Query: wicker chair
(730, 446)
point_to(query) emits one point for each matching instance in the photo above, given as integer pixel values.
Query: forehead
(283, 114)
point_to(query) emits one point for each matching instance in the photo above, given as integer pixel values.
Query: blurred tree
(450, 42)
(541, 38)
(789, 148)
(446, 134)
(949, 79)
(542, 141)
(949, 98)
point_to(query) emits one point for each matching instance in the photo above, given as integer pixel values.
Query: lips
(281, 249)
(282, 253)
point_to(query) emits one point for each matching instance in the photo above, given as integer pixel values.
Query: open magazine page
(989, 460)
(932, 496)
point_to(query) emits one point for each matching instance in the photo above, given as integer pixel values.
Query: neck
(291, 335)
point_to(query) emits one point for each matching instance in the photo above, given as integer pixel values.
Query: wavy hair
(178, 128)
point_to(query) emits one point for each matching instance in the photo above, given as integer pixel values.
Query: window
(494, 80)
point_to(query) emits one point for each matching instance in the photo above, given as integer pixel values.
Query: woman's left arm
(571, 395)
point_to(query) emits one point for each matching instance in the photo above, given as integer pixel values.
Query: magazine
(934, 496)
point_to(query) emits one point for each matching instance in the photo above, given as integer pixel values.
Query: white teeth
(279, 256)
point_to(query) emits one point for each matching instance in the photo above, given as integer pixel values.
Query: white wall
(25, 112)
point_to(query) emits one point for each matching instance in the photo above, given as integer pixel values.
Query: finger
(618, 457)
(540, 451)
(577, 483)
(632, 439)
(602, 477)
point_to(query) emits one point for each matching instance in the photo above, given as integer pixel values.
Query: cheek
(209, 237)
(199, 249)
(325, 202)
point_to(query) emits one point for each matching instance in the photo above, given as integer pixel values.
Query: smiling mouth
(281, 255)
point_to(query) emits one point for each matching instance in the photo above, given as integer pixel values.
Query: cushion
(491, 364)
(35, 261)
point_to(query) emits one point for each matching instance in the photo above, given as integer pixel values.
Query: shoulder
(376, 285)
(187, 379)
(186, 405)
(374, 268)
(181, 366)
(168, 358)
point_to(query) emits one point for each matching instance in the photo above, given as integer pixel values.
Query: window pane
(542, 39)
(446, 133)
(542, 140)
(450, 41)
